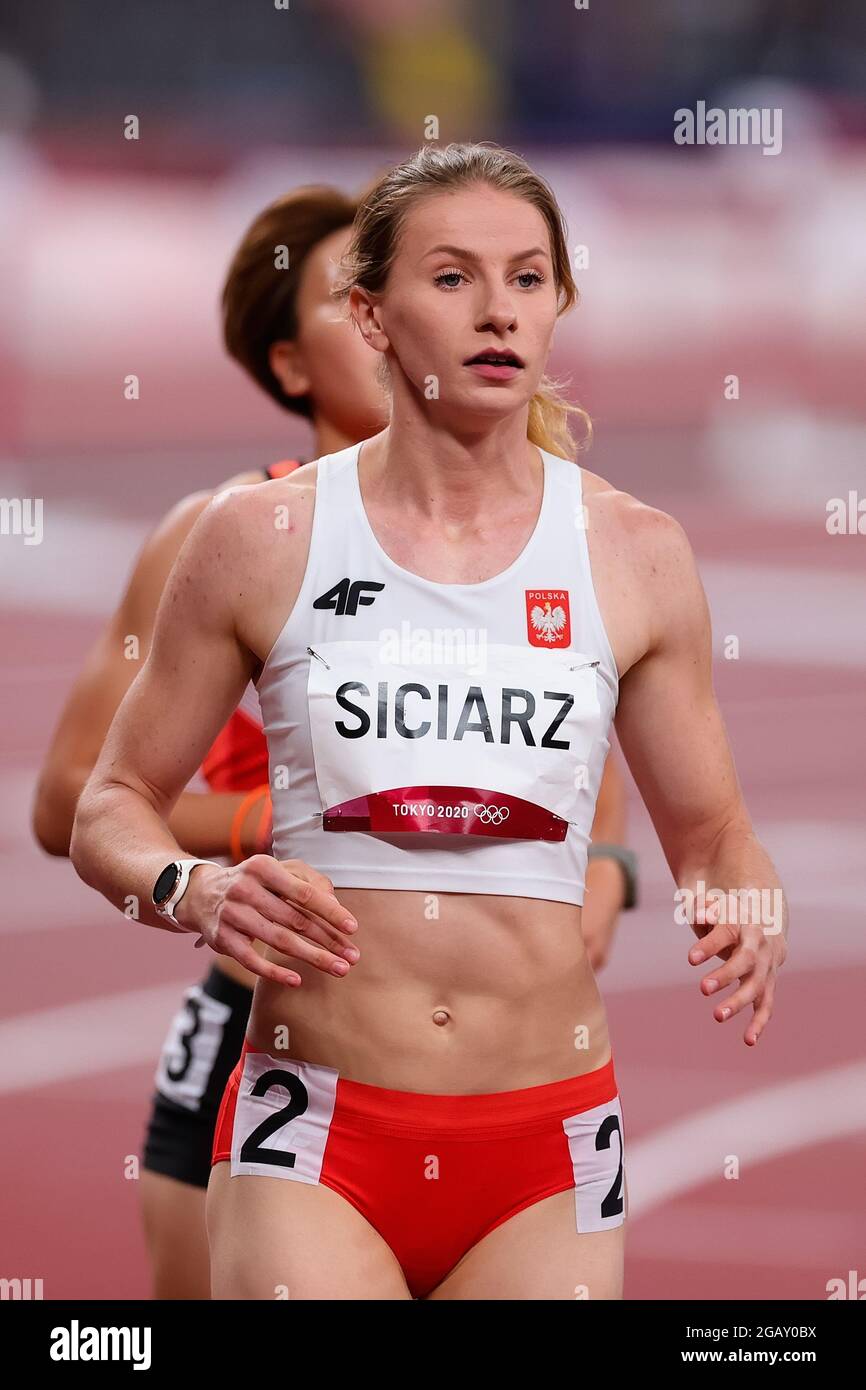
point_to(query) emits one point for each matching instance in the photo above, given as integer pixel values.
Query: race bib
(499, 751)
(595, 1147)
(191, 1048)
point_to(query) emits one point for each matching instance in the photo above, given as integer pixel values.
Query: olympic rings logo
(492, 815)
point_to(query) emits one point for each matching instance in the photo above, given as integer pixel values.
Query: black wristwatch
(171, 885)
(627, 860)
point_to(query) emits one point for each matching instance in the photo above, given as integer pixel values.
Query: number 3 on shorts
(191, 1048)
(596, 1150)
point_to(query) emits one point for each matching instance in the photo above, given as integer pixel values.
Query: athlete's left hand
(753, 954)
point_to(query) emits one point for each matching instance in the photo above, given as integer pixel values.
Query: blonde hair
(379, 221)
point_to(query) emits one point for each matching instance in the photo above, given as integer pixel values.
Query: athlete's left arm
(605, 883)
(676, 746)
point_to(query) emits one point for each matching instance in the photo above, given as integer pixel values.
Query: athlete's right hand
(284, 903)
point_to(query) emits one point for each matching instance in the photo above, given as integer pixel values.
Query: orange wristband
(237, 850)
(264, 833)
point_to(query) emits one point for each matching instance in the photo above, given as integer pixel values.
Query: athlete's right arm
(194, 676)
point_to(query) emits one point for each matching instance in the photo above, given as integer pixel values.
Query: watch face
(165, 884)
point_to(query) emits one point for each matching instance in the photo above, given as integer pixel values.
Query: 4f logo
(345, 596)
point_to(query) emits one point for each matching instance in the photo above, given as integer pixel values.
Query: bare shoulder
(645, 537)
(281, 505)
(255, 540)
(171, 531)
(643, 562)
(195, 502)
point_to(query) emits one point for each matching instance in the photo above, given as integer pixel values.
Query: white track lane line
(73, 1041)
(793, 614)
(788, 614)
(776, 1120)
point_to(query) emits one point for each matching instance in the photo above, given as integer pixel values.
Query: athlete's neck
(443, 479)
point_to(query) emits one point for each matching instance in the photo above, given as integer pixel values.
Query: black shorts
(204, 1042)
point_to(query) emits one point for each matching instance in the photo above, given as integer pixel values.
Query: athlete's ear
(366, 311)
(287, 364)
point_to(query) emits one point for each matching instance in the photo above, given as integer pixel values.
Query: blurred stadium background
(699, 264)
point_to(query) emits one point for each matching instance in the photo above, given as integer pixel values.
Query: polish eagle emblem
(547, 621)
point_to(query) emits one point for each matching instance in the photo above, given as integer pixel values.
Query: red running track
(85, 995)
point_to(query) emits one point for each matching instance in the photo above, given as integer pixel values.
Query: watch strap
(184, 868)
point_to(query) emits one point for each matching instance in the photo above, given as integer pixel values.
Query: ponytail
(548, 424)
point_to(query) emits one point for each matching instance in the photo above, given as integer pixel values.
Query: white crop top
(440, 737)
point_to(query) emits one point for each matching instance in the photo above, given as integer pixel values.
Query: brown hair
(380, 219)
(259, 301)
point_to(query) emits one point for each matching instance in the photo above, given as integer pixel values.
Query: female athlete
(440, 624)
(283, 328)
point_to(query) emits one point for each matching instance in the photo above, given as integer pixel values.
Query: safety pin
(318, 658)
(583, 665)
